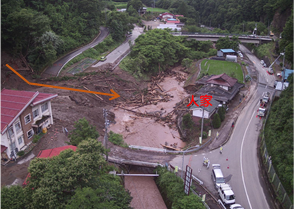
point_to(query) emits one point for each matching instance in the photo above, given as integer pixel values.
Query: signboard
(187, 180)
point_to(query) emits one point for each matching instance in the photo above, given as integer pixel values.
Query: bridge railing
(219, 34)
(280, 191)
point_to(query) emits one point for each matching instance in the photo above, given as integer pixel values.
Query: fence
(281, 193)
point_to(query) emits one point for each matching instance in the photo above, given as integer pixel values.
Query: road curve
(55, 69)
(239, 161)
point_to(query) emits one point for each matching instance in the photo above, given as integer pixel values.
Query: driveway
(55, 69)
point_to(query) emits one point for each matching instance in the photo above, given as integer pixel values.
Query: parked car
(217, 176)
(226, 194)
(103, 58)
(236, 206)
(262, 62)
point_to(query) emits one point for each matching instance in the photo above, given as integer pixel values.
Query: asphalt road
(239, 161)
(264, 77)
(115, 54)
(55, 69)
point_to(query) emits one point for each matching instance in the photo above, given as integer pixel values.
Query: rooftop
(222, 79)
(213, 102)
(14, 102)
(227, 50)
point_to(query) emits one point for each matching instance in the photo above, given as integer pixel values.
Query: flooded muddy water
(144, 192)
(143, 131)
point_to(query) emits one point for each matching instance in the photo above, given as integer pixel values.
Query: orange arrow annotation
(114, 94)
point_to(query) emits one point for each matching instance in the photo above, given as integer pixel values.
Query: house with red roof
(23, 114)
(48, 153)
(222, 87)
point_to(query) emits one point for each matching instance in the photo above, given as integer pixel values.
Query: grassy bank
(218, 67)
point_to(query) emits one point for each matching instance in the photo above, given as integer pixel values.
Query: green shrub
(216, 122)
(171, 187)
(116, 139)
(204, 135)
(36, 138)
(20, 153)
(187, 121)
(222, 113)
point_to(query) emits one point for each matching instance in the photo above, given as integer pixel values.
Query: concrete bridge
(214, 37)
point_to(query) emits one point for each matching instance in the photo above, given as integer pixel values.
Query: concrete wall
(198, 113)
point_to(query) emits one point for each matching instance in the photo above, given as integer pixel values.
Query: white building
(23, 114)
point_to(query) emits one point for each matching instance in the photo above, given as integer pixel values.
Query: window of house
(30, 133)
(46, 123)
(20, 140)
(36, 113)
(10, 131)
(17, 127)
(27, 118)
(44, 107)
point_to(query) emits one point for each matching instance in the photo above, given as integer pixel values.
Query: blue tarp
(287, 73)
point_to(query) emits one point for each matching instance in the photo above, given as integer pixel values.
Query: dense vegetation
(42, 31)
(71, 180)
(157, 50)
(226, 14)
(82, 131)
(279, 136)
(171, 188)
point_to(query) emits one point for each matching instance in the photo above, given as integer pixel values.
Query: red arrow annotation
(114, 94)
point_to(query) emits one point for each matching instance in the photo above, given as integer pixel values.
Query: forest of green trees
(279, 136)
(42, 31)
(73, 180)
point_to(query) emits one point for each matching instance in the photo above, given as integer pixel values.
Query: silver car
(217, 176)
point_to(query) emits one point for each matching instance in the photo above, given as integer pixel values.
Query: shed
(208, 111)
(232, 58)
(224, 52)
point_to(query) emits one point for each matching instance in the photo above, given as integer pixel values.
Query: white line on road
(241, 160)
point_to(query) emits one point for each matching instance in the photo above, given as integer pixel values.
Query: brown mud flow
(142, 131)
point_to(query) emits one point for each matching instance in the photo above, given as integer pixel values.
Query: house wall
(26, 127)
(167, 16)
(8, 141)
(4, 142)
(45, 113)
(198, 113)
(224, 87)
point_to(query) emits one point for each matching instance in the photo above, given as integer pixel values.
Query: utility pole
(283, 70)
(243, 27)
(106, 134)
(202, 124)
(182, 165)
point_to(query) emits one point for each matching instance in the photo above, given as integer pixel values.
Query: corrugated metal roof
(14, 102)
(43, 97)
(55, 151)
(222, 79)
(228, 50)
(172, 21)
